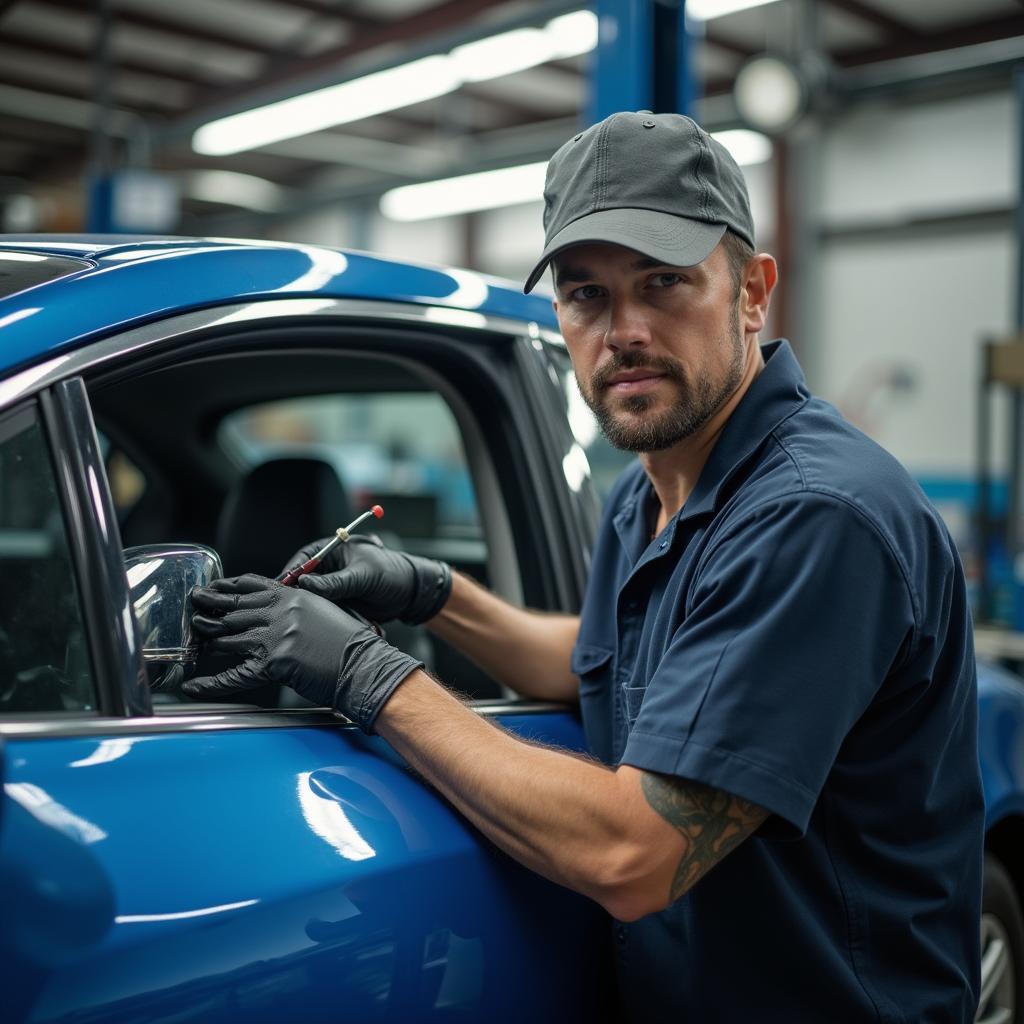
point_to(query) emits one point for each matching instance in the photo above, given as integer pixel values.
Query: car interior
(274, 447)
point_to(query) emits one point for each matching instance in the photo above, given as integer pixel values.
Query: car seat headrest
(275, 509)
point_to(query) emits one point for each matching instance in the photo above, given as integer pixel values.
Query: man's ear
(759, 280)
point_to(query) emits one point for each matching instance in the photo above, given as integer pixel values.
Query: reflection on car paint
(105, 752)
(180, 915)
(46, 810)
(325, 265)
(326, 817)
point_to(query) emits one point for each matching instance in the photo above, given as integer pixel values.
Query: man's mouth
(628, 382)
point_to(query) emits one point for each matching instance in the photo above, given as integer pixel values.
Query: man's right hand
(375, 581)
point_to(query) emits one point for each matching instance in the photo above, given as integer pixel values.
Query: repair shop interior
(474, 471)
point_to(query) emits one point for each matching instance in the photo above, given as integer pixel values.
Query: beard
(622, 421)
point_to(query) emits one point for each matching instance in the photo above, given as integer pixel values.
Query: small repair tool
(340, 536)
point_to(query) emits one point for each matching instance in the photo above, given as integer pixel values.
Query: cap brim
(677, 241)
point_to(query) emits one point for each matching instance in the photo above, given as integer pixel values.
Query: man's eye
(586, 291)
(665, 280)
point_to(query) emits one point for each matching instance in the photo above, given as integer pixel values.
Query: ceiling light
(372, 94)
(566, 36)
(500, 55)
(572, 34)
(706, 10)
(466, 193)
(235, 189)
(770, 93)
(746, 147)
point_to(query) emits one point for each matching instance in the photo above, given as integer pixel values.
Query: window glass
(402, 450)
(21, 270)
(399, 449)
(127, 482)
(44, 664)
(606, 462)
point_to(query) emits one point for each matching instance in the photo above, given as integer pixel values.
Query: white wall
(922, 298)
(885, 161)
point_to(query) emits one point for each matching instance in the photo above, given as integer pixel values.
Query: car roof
(125, 281)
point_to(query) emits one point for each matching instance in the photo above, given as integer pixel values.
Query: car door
(179, 862)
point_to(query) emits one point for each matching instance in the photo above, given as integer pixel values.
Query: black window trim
(125, 704)
(118, 672)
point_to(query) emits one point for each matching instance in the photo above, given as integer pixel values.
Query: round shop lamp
(771, 94)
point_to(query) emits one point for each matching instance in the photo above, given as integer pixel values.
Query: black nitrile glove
(323, 652)
(375, 581)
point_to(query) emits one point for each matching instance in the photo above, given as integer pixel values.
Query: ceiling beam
(28, 44)
(14, 127)
(894, 27)
(712, 38)
(23, 81)
(333, 12)
(183, 30)
(443, 17)
(987, 31)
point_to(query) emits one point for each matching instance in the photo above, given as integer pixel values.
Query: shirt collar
(775, 394)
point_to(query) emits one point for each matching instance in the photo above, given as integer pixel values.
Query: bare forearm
(528, 651)
(560, 815)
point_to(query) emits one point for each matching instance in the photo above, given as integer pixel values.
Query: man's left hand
(293, 637)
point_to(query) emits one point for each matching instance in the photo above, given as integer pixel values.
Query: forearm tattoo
(711, 822)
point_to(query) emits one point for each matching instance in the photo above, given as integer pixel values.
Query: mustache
(634, 361)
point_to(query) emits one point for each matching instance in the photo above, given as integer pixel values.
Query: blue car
(171, 410)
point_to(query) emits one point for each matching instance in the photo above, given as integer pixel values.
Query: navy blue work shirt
(798, 635)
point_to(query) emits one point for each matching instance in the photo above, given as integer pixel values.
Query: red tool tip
(377, 511)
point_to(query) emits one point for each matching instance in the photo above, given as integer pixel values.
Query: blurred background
(881, 142)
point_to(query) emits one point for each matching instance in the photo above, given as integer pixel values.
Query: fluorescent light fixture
(493, 57)
(235, 189)
(572, 34)
(508, 186)
(466, 193)
(502, 54)
(337, 104)
(706, 10)
(747, 147)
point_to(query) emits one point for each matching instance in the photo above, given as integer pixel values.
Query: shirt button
(620, 934)
(633, 605)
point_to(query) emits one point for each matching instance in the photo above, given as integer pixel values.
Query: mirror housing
(160, 582)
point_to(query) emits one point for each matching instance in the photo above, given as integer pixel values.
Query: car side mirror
(161, 578)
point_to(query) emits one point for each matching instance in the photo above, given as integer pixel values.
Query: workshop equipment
(341, 535)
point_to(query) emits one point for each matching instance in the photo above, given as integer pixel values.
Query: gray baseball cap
(656, 183)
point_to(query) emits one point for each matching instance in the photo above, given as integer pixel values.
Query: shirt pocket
(632, 699)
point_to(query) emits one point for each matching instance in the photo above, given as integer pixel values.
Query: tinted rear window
(21, 270)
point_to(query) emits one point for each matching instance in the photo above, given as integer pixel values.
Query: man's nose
(627, 327)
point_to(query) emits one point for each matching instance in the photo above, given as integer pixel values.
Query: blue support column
(642, 60)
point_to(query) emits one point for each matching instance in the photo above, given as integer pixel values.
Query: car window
(401, 450)
(606, 462)
(44, 664)
(127, 481)
(21, 270)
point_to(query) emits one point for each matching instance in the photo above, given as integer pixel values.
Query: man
(774, 658)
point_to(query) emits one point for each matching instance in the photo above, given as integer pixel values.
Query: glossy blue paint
(135, 282)
(1001, 742)
(156, 886)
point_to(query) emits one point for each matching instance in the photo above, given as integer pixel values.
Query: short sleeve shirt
(798, 635)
